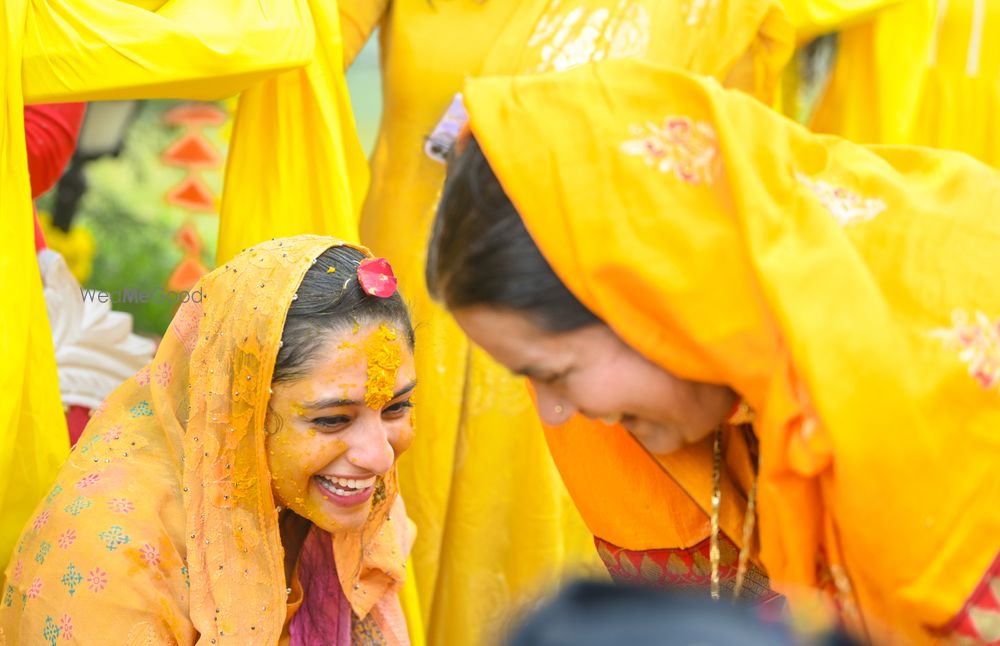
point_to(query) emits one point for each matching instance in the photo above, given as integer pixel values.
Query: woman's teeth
(345, 486)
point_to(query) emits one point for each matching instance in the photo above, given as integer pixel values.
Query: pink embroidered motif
(120, 505)
(142, 377)
(845, 207)
(97, 580)
(87, 480)
(163, 374)
(18, 569)
(689, 149)
(35, 589)
(978, 345)
(41, 519)
(66, 627)
(67, 538)
(150, 555)
(113, 433)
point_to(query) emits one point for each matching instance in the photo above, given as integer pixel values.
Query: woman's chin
(333, 519)
(656, 439)
(341, 523)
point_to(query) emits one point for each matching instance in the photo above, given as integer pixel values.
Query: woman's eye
(397, 410)
(332, 421)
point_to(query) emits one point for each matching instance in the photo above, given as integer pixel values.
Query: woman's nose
(553, 409)
(371, 449)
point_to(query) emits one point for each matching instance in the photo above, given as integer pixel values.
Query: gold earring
(379, 495)
(558, 409)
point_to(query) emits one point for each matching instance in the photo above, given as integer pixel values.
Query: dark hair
(332, 301)
(481, 254)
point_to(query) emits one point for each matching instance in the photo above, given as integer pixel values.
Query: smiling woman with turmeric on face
(242, 488)
(333, 442)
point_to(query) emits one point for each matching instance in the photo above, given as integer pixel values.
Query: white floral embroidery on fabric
(567, 37)
(682, 146)
(977, 340)
(845, 206)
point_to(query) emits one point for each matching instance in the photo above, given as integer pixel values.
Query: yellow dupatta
(847, 293)
(162, 526)
(73, 50)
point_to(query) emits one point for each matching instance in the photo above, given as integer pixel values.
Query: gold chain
(713, 547)
(749, 519)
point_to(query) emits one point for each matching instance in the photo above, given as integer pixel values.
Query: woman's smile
(345, 492)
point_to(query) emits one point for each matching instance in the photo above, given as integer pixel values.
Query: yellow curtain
(847, 293)
(74, 50)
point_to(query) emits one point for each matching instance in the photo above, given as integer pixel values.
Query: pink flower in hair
(376, 277)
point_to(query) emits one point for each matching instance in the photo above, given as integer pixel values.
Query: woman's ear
(272, 421)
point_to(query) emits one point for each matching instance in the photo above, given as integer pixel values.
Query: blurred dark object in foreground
(600, 614)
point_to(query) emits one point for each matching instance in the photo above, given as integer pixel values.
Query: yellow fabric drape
(813, 18)
(847, 293)
(33, 436)
(479, 449)
(878, 74)
(161, 527)
(74, 50)
(295, 164)
(924, 72)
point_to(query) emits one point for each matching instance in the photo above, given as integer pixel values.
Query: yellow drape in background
(295, 164)
(33, 436)
(73, 50)
(923, 72)
(849, 294)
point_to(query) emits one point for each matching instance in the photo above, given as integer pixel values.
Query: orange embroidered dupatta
(162, 526)
(847, 293)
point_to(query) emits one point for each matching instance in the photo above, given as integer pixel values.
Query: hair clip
(376, 277)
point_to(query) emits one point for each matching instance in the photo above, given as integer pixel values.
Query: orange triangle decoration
(192, 151)
(186, 274)
(192, 194)
(188, 240)
(195, 114)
